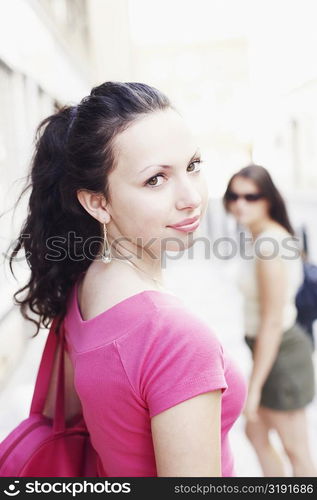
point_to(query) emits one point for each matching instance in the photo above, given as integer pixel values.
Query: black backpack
(306, 299)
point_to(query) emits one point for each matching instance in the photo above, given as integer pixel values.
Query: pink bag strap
(59, 416)
(44, 377)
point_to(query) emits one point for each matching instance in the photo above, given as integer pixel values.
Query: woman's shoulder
(136, 317)
(100, 295)
(175, 357)
(172, 311)
(276, 241)
(169, 324)
(103, 287)
(275, 231)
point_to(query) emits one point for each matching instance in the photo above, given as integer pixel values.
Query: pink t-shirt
(143, 355)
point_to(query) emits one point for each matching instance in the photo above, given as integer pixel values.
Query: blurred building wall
(285, 130)
(44, 51)
(110, 40)
(44, 62)
(283, 73)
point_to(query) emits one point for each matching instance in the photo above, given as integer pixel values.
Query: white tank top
(273, 242)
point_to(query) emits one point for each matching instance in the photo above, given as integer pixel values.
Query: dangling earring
(105, 254)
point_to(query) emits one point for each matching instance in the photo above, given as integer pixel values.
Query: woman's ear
(95, 204)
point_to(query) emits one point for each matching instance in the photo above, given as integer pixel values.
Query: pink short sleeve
(179, 358)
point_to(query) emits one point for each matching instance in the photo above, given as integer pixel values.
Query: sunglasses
(232, 196)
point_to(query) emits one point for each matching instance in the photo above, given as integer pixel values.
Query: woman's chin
(244, 220)
(181, 243)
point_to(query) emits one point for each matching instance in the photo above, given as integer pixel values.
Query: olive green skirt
(290, 384)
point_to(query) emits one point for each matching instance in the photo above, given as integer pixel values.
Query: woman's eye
(154, 178)
(196, 162)
(149, 182)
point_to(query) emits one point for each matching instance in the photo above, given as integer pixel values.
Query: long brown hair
(261, 177)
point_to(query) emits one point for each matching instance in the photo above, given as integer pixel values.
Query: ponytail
(45, 223)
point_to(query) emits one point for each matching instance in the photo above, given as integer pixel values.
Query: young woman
(116, 181)
(282, 378)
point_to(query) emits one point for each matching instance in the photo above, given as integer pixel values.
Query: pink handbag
(44, 447)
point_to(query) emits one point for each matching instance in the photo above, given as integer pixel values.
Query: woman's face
(246, 212)
(157, 182)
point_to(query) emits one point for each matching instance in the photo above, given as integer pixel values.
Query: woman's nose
(188, 194)
(241, 202)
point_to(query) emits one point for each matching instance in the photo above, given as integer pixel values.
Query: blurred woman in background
(282, 378)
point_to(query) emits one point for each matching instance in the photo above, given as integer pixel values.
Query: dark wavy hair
(74, 149)
(262, 179)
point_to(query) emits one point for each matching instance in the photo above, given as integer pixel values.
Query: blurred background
(244, 75)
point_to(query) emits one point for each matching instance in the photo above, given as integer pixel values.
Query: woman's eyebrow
(197, 153)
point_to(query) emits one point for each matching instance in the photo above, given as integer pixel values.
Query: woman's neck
(148, 262)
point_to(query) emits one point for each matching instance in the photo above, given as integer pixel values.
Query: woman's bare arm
(272, 288)
(187, 437)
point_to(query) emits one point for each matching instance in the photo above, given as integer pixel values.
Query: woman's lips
(186, 228)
